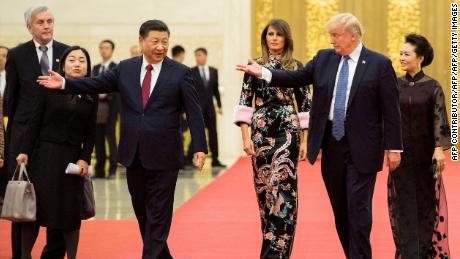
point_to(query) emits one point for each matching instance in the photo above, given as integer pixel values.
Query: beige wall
(223, 27)
(192, 24)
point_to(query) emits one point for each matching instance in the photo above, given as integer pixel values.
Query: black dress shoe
(217, 163)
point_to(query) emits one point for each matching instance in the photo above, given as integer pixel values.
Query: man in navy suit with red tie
(354, 118)
(154, 90)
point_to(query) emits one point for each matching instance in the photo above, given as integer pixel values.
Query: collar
(156, 67)
(49, 44)
(354, 55)
(273, 57)
(204, 66)
(416, 78)
(3, 72)
(106, 64)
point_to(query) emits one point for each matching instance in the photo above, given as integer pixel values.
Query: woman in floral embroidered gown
(416, 198)
(278, 140)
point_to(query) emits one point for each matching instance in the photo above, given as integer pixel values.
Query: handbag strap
(22, 172)
(15, 171)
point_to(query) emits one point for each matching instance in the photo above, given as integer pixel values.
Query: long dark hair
(286, 57)
(67, 52)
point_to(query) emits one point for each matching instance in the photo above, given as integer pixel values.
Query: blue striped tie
(338, 123)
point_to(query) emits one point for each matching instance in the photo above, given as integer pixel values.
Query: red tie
(146, 85)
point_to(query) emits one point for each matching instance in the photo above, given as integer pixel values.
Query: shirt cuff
(63, 84)
(396, 151)
(266, 75)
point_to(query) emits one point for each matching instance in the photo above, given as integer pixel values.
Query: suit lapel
(137, 79)
(212, 77)
(96, 70)
(196, 73)
(56, 55)
(359, 72)
(335, 61)
(112, 65)
(32, 52)
(162, 79)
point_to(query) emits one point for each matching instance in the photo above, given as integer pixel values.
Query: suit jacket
(2, 131)
(372, 122)
(97, 68)
(112, 100)
(153, 134)
(206, 93)
(64, 119)
(22, 70)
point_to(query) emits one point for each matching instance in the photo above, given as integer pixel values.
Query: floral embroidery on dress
(275, 131)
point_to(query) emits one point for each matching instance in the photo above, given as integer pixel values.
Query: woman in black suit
(65, 128)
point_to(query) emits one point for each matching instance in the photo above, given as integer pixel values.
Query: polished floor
(114, 202)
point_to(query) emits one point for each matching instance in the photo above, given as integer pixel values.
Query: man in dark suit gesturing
(354, 118)
(154, 90)
(24, 64)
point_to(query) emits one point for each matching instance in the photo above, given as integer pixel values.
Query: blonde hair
(348, 20)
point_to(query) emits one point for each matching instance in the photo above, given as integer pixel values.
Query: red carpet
(222, 221)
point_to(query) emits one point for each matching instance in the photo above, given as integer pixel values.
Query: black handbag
(88, 208)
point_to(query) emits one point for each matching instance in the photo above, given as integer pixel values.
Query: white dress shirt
(155, 72)
(352, 63)
(2, 82)
(105, 65)
(49, 52)
(204, 69)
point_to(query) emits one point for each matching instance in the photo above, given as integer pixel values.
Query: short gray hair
(350, 22)
(32, 11)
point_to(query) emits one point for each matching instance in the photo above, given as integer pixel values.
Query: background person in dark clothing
(62, 131)
(107, 115)
(207, 85)
(178, 54)
(24, 64)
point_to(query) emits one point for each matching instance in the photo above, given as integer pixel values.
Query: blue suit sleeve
(389, 101)
(105, 83)
(294, 79)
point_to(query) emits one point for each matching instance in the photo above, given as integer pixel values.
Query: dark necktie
(203, 77)
(102, 69)
(44, 62)
(146, 85)
(338, 122)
